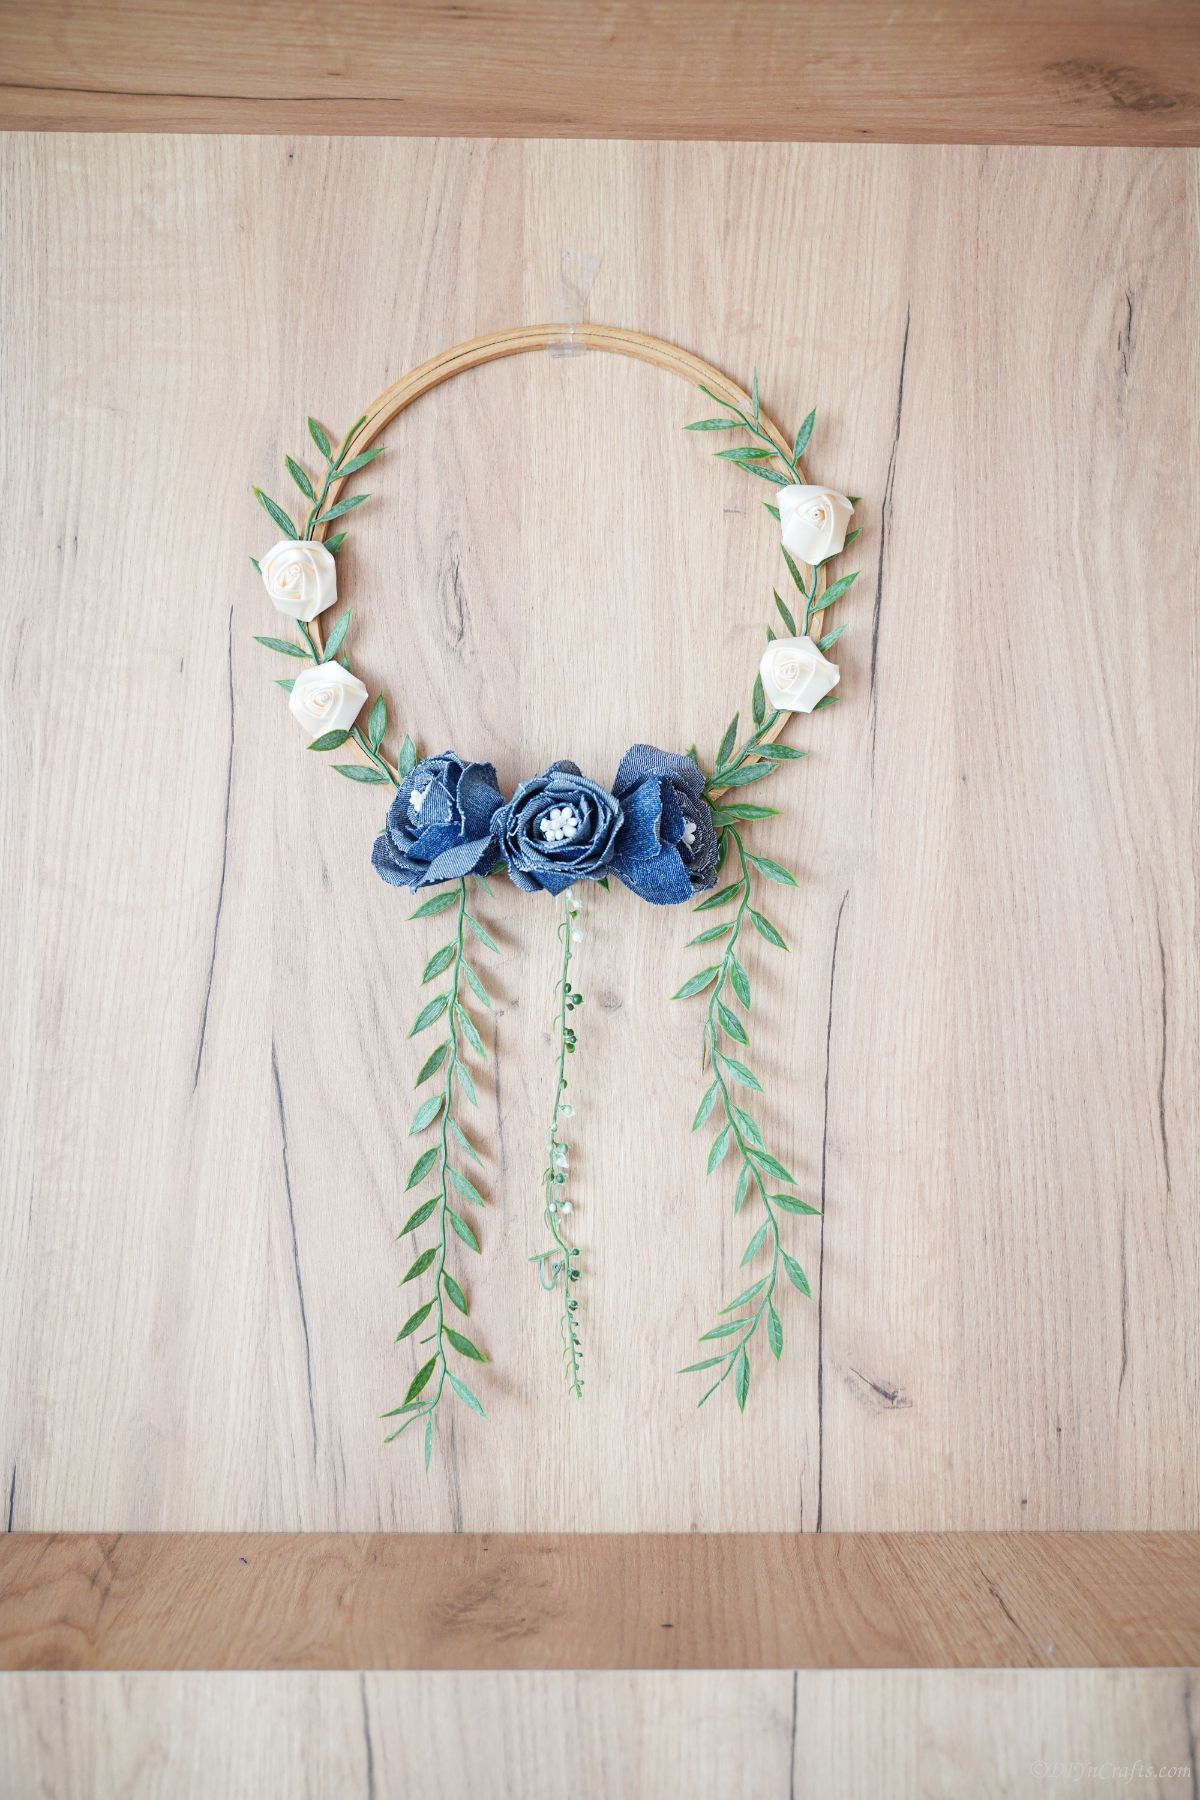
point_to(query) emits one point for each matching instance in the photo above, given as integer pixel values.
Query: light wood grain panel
(1048, 71)
(209, 1075)
(630, 1600)
(662, 1737)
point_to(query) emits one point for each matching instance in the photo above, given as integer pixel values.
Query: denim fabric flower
(666, 850)
(559, 827)
(439, 824)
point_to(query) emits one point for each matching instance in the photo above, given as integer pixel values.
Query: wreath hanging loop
(666, 829)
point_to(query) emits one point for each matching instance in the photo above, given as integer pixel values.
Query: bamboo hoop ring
(639, 346)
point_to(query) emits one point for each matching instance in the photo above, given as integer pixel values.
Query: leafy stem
(562, 1264)
(427, 1386)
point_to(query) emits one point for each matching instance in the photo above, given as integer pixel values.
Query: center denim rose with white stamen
(666, 850)
(559, 827)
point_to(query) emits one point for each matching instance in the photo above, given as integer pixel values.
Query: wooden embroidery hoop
(618, 339)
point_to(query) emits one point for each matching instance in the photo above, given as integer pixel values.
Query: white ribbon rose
(326, 698)
(813, 522)
(301, 578)
(795, 675)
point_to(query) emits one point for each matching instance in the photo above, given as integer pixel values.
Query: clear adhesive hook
(577, 270)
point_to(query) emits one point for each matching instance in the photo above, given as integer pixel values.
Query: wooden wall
(983, 1049)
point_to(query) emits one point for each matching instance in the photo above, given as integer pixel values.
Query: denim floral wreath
(664, 829)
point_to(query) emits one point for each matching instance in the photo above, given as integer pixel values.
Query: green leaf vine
(762, 1180)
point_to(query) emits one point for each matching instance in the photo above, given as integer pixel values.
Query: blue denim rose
(558, 828)
(666, 849)
(439, 824)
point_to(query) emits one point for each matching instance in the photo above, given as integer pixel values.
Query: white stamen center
(689, 834)
(559, 825)
(416, 801)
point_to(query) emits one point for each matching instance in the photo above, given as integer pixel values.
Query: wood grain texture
(984, 1049)
(765, 1736)
(1044, 72)
(627, 1601)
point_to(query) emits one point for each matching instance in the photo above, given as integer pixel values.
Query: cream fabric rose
(326, 698)
(795, 675)
(813, 522)
(301, 578)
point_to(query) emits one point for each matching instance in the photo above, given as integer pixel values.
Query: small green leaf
(287, 684)
(425, 1114)
(370, 777)
(282, 645)
(755, 1288)
(329, 740)
(803, 435)
(722, 897)
(721, 1144)
(421, 1167)
(794, 571)
(464, 1393)
(317, 433)
(710, 1362)
(835, 592)
(788, 1203)
(299, 477)
(772, 1165)
(765, 929)
(709, 936)
(772, 870)
(465, 1082)
(764, 474)
(741, 810)
(739, 980)
(831, 638)
(423, 1262)
(748, 1127)
(455, 1292)
(754, 399)
(461, 1229)
(343, 506)
(758, 704)
(416, 1219)
(420, 1380)
(360, 461)
(276, 513)
(466, 1187)
(713, 425)
(746, 775)
(433, 1009)
(476, 986)
(406, 761)
(337, 637)
(466, 1025)
(729, 740)
(746, 1077)
(484, 937)
(463, 1345)
(436, 903)
(432, 1064)
(706, 1105)
(741, 1378)
(464, 1143)
(428, 1439)
(696, 983)
(726, 1328)
(377, 723)
(418, 1318)
(744, 453)
(756, 1243)
(796, 1274)
(731, 1024)
(742, 1188)
(334, 543)
(774, 1331)
(779, 753)
(440, 960)
(786, 614)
